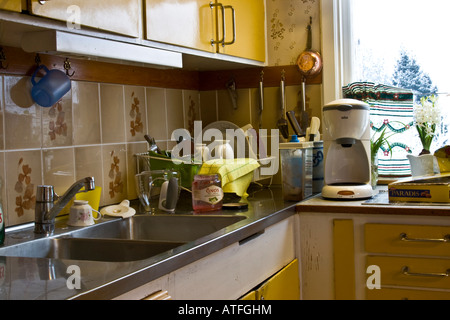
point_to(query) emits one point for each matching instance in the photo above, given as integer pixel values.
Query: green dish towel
(235, 174)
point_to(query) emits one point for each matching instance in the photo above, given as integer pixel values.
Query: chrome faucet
(49, 204)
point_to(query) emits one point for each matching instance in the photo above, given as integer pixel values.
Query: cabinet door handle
(223, 41)
(404, 237)
(405, 271)
(233, 15)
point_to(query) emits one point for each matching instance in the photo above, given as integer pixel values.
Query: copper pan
(309, 63)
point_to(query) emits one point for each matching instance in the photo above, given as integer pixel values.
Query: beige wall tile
(112, 113)
(133, 148)
(86, 120)
(59, 168)
(23, 176)
(156, 115)
(240, 116)
(22, 122)
(174, 109)
(208, 107)
(135, 113)
(89, 163)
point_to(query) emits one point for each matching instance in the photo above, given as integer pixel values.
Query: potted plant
(427, 118)
(375, 145)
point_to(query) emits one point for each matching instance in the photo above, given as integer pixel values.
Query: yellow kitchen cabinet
(285, 285)
(402, 271)
(187, 23)
(12, 5)
(246, 33)
(118, 16)
(406, 294)
(200, 24)
(407, 239)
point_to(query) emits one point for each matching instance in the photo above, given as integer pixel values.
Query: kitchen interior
(139, 70)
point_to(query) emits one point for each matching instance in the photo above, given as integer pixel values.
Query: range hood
(74, 45)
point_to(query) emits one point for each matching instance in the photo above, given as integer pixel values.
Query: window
(369, 40)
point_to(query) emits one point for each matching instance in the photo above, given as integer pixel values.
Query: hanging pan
(310, 64)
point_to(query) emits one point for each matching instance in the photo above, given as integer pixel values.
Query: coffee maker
(347, 150)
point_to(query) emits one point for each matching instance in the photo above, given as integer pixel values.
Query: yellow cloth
(235, 174)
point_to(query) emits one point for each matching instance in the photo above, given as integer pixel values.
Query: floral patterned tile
(23, 176)
(191, 104)
(57, 123)
(114, 173)
(135, 113)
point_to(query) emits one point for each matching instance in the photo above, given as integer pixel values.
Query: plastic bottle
(207, 193)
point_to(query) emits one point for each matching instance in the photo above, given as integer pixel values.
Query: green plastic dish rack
(150, 160)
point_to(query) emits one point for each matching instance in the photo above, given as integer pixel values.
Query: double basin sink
(121, 240)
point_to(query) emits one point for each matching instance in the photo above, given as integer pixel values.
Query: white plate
(222, 126)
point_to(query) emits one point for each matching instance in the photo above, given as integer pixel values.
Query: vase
(374, 172)
(423, 165)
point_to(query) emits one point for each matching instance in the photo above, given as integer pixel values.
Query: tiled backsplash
(96, 128)
(93, 131)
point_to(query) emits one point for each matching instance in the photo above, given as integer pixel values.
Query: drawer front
(412, 272)
(406, 294)
(407, 239)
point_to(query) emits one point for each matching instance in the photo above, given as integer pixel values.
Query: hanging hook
(3, 59)
(67, 67)
(37, 59)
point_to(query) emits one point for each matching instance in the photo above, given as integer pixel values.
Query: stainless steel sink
(159, 228)
(120, 240)
(89, 249)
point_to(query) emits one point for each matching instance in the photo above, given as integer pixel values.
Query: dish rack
(147, 161)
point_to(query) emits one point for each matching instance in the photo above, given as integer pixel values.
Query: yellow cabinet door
(118, 16)
(285, 285)
(11, 5)
(250, 29)
(187, 23)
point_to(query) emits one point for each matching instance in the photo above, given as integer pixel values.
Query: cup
(51, 88)
(81, 214)
(223, 150)
(158, 190)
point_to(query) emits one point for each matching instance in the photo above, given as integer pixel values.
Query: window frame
(336, 47)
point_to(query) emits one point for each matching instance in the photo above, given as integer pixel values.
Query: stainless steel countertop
(41, 278)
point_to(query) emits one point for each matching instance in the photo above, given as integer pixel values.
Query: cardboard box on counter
(421, 189)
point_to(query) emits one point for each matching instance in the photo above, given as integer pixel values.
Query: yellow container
(93, 197)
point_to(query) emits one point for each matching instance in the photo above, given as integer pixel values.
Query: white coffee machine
(347, 150)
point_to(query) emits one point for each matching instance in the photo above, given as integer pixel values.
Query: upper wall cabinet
(11, 5)
(232, 27)
(245, 28)
(118, 16)
(187, 23)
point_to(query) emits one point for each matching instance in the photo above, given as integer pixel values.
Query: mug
(223, 150)
(81, 214)
(51, 88)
